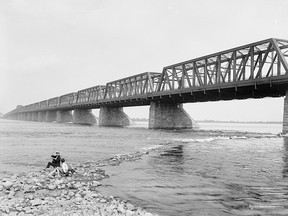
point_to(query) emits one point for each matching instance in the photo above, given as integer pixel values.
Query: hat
(57, 152)
(62, 160)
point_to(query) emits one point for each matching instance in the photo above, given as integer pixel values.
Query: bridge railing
(264, 59)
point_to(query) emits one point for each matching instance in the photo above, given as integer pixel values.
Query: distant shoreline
(217, 121)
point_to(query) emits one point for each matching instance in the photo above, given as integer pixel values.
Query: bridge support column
(34, 116)
(19, 116)
(26, 117)
(285, 115)
(41, 116)
(64, 116)
(51, 116)
(22, 116)
(29, 117)
(111, 116)
(169, 116)
(84, 116)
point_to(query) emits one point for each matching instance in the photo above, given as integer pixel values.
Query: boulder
(7, 185)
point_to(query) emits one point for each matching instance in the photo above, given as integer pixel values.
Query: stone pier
(41, 116)
(51, 116)
(170, 116)
(34, 116)
(112, 116)
(285, 115)
(64, 116)
(84, 116)
(29, 117)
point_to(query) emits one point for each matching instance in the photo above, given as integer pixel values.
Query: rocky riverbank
(37, 193)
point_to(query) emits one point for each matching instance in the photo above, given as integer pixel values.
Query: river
(222, 169)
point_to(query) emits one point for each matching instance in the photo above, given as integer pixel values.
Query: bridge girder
(252, 62)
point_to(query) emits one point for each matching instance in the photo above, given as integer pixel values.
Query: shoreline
(36, 193)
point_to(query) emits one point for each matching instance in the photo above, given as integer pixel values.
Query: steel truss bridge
(254, 70)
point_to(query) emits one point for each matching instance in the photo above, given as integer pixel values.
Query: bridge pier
(64, 116)
(84, 116)
(34, 116)
(285, 115)
(112, 116)
(51, 116)
(41, 116)
(23, 116)
(170, 116)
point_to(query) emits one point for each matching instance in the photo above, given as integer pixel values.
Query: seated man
(66, 169)
(55, 160)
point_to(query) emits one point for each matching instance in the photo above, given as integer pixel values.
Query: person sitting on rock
(66, 169)
(56, 159)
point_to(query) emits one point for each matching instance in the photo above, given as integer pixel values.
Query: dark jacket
(56, 159)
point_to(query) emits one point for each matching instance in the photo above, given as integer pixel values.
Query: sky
(49, 48)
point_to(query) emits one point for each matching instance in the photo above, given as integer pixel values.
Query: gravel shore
(37, 193)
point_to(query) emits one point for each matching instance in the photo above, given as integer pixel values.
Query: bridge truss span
(254, 70)
(261, 62)
(139, 84)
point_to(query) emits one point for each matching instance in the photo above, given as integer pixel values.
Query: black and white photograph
(143, 108)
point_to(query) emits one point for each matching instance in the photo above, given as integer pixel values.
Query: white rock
(130, 207)
(7, 185)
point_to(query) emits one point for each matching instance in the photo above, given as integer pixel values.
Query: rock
(13, 213)
(51, 187)
(147, 214)
(96, 183)
(129, 213)
(11, 194)
(77, 185)
(121, 208)
(36, 202)
(7, 185)
(130, 207)
(71, 193)
(102, 200)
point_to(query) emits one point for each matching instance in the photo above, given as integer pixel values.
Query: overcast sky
(50, 48)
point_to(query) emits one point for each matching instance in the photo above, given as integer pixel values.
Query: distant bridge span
(254, 70)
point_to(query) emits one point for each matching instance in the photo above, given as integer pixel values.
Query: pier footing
(170, 116)
(51, 116)
(64, 116)
(84, 116)
(111, 116)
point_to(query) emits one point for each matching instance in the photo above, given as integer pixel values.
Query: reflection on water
(173, 158)
(285, 157)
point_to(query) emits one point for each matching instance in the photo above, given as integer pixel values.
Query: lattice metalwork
(134, 85)
(44, 104)
(68, 99)
(95, 93)
(264, 59)
(53, 102)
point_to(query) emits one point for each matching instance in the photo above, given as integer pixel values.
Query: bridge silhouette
(254, 70)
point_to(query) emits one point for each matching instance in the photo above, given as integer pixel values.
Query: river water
(222, 169)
